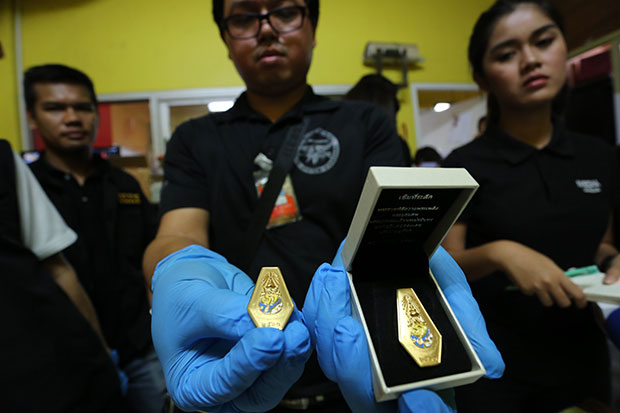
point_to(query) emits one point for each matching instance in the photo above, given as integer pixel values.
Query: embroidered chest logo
(128, 198)
(589, 186)
(318, 152)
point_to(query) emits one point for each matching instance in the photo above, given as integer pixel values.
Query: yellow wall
(143, 45)
(9, 117)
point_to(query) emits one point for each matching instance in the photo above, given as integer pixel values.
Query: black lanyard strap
(260, 218)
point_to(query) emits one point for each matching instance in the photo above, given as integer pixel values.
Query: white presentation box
(596, 291)
(402, 216)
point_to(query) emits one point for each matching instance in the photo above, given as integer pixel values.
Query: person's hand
(612, 275)
(213, 356)
(122, 376)
(342, 348)
(535, 273)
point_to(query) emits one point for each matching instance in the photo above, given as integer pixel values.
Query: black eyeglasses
(282, 20)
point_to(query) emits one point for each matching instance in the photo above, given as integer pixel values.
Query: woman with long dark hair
(544, 205)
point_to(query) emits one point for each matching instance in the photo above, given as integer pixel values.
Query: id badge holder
(285, 210)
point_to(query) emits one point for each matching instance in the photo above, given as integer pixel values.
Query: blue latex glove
(454, 285)
(121, 374)
(612, 324)
(213, 356)
(342, 348)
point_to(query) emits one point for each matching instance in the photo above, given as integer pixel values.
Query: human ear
(481, 82)
(313, 37)
(31, 120)
(228, 53)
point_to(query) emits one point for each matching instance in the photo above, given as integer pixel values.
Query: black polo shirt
(209, 164)
(556, 200)
(82, 207)
(114, 223)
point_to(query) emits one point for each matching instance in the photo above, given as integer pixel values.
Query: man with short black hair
(215, 167)
(110, 214)
(210, 190)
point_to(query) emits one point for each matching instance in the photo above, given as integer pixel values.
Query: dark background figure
(379, 90)
(590, 109)
(426, 157)
(107, 209)
(51, 340)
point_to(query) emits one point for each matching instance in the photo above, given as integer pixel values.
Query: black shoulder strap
(9, 206)
(281, 167)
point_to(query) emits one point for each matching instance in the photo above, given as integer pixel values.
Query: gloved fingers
(352, 365)
(224, 314)
(313, 296)
(612, 324)
(272, 385)
(422, 401)
(351, 355)
(124, 381)
(334, 305)
(296, 315)
(454, 285)
(193, 310)
(314, 292)
(114, 356)
(213, 382)
(237, 280)
(193, 261)
(122, 376)
(446, 271)
(337, 262)
(297, 346)
(198, 262)
(354, 376)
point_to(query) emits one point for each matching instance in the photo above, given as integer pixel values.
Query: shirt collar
(516, 151)
(560, 143)
(100, 167)
(310, 103)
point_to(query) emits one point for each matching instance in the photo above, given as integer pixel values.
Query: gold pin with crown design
(416, 331)
(271, 304)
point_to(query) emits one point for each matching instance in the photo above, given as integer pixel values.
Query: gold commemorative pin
(416, 331)
(271, 304)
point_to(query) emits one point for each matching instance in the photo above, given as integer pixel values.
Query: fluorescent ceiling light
(441, 107)
(220, 105)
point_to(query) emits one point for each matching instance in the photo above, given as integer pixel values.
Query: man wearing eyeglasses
(203, 266)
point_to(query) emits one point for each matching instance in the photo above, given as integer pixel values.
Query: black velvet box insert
(402, 216)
